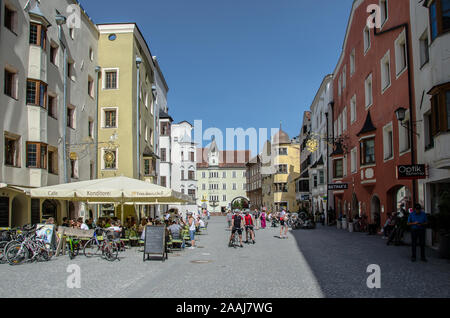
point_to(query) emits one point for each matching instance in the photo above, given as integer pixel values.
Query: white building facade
(431, 52)
(184, 164)
(48, 106)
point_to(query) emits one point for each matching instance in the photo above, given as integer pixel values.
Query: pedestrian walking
(192, 229)
(418, 220)
(263, 219)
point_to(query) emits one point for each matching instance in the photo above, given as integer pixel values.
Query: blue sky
(237, 63)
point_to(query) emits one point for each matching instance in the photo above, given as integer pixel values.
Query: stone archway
(375, 211)
(50, 210)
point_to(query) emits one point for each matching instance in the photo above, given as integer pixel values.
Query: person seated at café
(175, 231)
(142, 226)
(84, 226)
(66, 222)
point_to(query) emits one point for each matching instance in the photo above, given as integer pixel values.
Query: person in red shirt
(249, 224)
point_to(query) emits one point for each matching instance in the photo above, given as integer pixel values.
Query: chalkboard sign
(4, 211)
(155, 242)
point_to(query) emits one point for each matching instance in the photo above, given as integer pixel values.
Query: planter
(350, 227)
(444, 246)
(344, 224)
(339, 225)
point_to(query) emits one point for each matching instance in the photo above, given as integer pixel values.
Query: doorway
(375, 211)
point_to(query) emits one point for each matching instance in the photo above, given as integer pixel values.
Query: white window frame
(401, 40)
(384, 14)
(102, 117)
(424, 47)
(403, 136)
(344, 119)
(354, 160)
(352, 62)
(388, 128)
(104, 78)
(369, 102)
(367, 39)
(385, 78)
(353, 113)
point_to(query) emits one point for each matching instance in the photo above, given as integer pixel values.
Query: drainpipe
(138, 121)
(412, 111)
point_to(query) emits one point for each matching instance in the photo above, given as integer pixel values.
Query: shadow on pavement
(339, 260)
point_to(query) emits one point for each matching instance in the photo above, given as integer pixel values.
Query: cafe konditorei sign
(408, 172)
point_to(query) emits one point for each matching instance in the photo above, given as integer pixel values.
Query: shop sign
(410, 172)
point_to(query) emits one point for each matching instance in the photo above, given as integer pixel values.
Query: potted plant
(344, 223)
(350, 225)
(442, 224)
(339, 223)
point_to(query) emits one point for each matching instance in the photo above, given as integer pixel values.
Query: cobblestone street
(319, 263)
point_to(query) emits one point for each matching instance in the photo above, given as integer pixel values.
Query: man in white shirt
(283, 224)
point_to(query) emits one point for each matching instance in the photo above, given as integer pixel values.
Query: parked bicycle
(107, 248)
(29, 250)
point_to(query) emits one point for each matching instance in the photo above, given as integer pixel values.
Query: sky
(237, 63)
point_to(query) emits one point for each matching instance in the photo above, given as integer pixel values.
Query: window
(36, 155)
(36, 93)
(368, 91)
(440, 109)
(71, 117)
(282, 169)
(192, 156)
(388, 142)
(191, 193)
(224, 174)
(145, 132)
(165, 129)
(111, 80)
(234, 174)
(352, 62)
(282, 151)
(344, 119)
(110, 160)
(110, 116)
(338, 167)
(54, 54)
(439, 17)
(164, 181)
(224, 186)
(10, 88)
(91, 171)
(91, 128)
(340, 124)
(424, 49)
(91, 54)
(428, 127)
(71, 70)
(52, 160)
(353, 109)
(214, 186)
(90, 87)
(340, 85)
(12, 150)
(10, 19)
(74, 168)
(353, 158)
(191, 175)
(385, 71)
(401, 56)
(203, 174)
(203, 186)
(384, 11)
(366, 39)
(52, 106)
(151, 136)
(344, 77)
(182, 176)
(367, 149)
(281, 187)
(163, 154)
(234, 186)
(224, 198)
(403, 134)
(321, 177)
(38, 35)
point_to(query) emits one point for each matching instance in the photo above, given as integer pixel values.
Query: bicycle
(30, 249)
(73, 247)
(106, 248)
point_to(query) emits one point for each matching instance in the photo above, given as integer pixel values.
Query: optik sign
(408, 172)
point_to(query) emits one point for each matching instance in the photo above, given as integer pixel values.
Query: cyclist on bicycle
(237, 224)
(249, 224)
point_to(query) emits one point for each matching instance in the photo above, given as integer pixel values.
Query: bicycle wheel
(2, 252)
(110, 251)
(17, 254)
(91, 248)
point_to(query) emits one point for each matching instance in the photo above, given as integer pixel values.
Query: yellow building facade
(281, 166)
(126, 143)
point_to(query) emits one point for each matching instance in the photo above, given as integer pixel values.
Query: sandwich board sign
(155, 243)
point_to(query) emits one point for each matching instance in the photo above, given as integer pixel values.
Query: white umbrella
(118, 189)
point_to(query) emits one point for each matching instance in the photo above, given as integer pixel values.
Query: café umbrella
(121, 190)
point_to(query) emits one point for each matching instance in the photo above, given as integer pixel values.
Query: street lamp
(400, 113)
